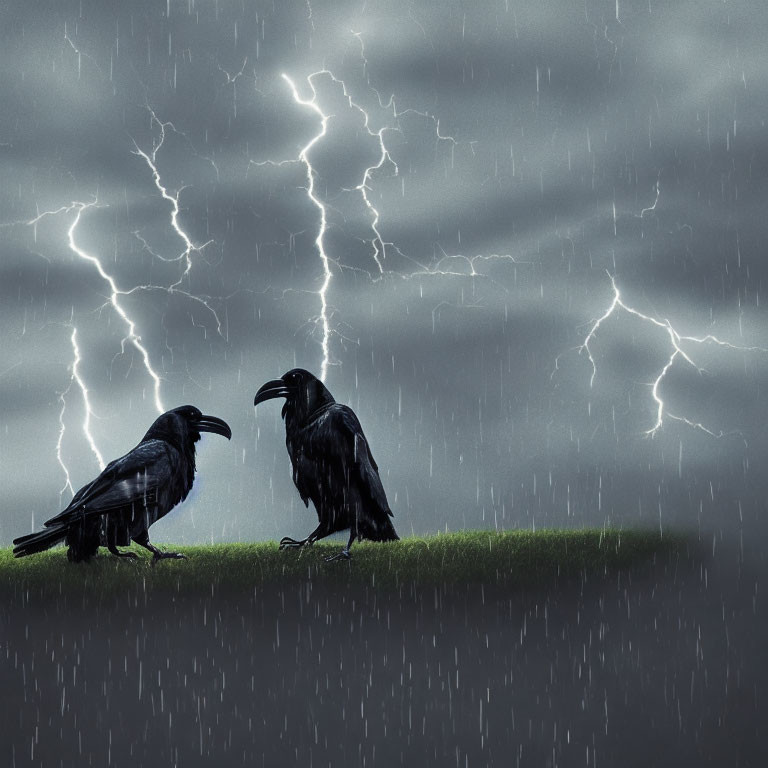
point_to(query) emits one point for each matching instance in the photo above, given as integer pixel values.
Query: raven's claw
(343, 555)
(117, 553)
(167, 556)
(288, 543)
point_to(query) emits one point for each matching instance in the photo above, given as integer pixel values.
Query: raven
(332, 463)
(131, 493)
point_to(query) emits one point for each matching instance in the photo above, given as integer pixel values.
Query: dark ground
(664, 666)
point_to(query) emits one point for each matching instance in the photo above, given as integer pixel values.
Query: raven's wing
(346, 442)
(303, 475)
(136, 478)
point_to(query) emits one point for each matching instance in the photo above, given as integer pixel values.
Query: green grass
(519, 557)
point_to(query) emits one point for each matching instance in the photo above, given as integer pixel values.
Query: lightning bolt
(132, 337)
(652, 208)
(304, 158)
(80, 54)
(151, 160)
(59, 441)
(676, 341)
(76, 378)
(437, 269)
(379, 246)
(189, 247)
(62, 425)
(378, 243)
(232, 80)
(364, 186)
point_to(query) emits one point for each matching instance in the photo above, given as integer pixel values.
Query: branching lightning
(379, 245)
(59, 441)
(303, 156)
(75, 378)
(232, 80)
(437, 268)
(84, 390)
(151, 161)
(80, 54)
(363, 187)
(132, 337)
(189, 247)
(676, 341)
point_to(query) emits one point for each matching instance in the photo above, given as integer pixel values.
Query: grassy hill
(518, 557)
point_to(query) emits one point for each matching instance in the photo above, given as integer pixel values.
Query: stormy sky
(525, 241)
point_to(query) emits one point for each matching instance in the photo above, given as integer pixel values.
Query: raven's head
(304, 393)
(184, 424)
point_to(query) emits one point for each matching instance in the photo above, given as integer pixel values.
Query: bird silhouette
(131, 493)
(332, 462)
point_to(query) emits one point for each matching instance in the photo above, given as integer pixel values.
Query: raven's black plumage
(332, 462)
(131, 493)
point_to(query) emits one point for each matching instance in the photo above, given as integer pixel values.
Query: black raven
(332, 463)
(131, 493)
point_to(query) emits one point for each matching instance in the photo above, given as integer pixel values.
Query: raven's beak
(274, 388)
(213, 424)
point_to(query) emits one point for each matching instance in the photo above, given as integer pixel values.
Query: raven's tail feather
(38, 542)
(387, 531)
(378, 529)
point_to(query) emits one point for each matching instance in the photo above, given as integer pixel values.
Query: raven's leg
(288, 543)
(344, 554)
(143, 541)
(112, 547)
(115, 551)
